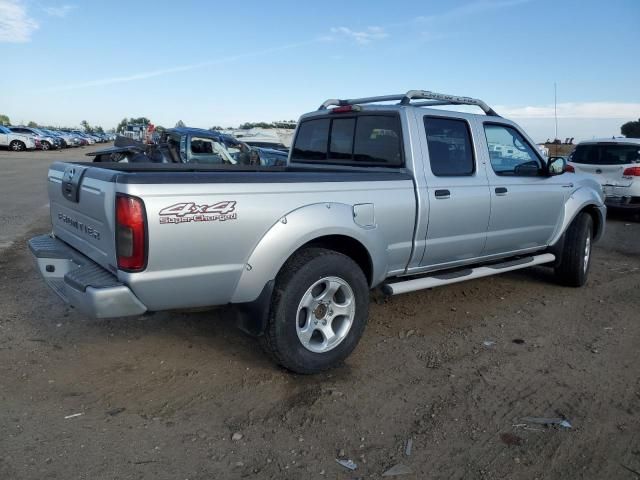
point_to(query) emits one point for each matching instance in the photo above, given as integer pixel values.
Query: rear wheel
(318, 312)
(17, 146)
(573, 268)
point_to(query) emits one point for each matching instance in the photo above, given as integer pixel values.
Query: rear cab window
(366, 139)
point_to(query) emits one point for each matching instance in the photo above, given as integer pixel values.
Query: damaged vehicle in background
(189, 145)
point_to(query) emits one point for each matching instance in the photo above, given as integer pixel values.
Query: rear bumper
(82, 283)
(626, 202)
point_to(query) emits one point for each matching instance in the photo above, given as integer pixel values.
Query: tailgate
(82, 199)
(606, 175)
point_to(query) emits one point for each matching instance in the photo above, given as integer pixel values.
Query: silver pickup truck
(383, 192)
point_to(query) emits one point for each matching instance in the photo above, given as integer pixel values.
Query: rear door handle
(442, 194)
(501, 191)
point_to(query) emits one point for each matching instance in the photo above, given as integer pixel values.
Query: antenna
(555, 106)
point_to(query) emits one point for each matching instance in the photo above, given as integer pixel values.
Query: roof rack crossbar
(355, 101)
(433, 99)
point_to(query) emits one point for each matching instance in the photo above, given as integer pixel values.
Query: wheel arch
(345, 245)
(328, 225)
(587, 200)
(598, 220)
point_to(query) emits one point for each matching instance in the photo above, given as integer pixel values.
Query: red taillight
(569, 168)
(130, 233)
(631, 172)
(346, 108)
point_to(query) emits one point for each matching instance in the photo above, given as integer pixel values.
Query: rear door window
(363, 140)
(606, 154)
(450, 150)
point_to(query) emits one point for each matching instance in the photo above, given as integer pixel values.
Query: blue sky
(220, 63)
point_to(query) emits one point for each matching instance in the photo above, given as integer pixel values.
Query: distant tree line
(5, 120)
(289, 124)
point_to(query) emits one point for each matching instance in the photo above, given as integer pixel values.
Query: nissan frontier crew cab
(382, 192)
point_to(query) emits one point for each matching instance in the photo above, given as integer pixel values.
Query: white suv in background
(16, 141)
(615, 163)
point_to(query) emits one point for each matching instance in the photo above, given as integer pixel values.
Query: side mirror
(556, 166)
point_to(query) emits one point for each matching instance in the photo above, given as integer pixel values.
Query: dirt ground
(160, 396)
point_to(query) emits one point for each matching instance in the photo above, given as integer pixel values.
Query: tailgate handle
(71, 182)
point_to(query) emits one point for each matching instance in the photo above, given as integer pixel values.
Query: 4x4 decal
(192, 212)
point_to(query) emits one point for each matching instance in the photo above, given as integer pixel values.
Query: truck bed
(208, 225)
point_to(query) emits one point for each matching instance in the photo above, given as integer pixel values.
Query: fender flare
(297, 228)
(583, 197)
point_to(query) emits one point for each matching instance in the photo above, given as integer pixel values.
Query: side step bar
(437, 279)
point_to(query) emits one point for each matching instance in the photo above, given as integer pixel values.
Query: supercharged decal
(192, 212)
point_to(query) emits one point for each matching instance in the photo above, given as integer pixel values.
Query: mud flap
(252, 317)
(557, 249)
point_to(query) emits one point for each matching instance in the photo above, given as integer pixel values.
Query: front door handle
(501, 191)
(442, 194)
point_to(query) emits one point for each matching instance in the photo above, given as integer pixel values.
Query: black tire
(281, 340)
(46, 146)
(17, 146)
(573, 268)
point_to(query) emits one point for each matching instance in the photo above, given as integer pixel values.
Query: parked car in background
(47, 142)
(615, 164)
(67, 138)
(269, 157)
(89, 140)
(17, 141)
(49, 138)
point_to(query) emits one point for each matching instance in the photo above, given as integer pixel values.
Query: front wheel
(46, 146)
(573, 268)
(318, 312)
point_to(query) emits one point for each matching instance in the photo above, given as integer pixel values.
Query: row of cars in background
(19, 138)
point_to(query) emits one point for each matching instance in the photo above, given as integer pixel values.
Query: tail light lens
(131, 234)
(569, 168)
(631, 172)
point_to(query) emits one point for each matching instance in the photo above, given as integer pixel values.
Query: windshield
(606, 154)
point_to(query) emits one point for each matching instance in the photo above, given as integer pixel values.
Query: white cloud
(362, 37)
(59, 11)
(598, 110)
(176, 69)
(16, 26)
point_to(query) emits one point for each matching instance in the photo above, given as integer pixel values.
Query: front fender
(584, 196)
(297, 228)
